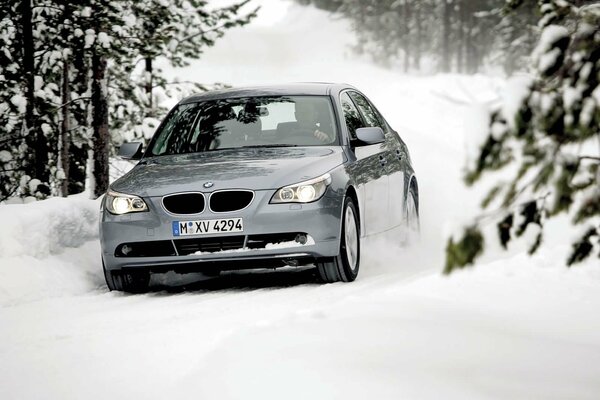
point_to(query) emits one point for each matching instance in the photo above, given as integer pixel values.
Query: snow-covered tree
(548, 136)
(29, 98)
(69, 83)
(451, 35)
(177, 31)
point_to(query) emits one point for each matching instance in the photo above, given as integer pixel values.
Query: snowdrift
(48, 248)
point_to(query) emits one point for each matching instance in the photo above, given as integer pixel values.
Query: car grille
(184, 203)
(230, 200)
(208, 245)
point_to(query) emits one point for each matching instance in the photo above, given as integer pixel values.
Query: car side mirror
(370, 135)
(131, 151)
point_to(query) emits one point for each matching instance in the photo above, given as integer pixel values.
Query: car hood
(249, 168)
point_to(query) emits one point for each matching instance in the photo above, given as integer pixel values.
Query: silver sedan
(258, 177)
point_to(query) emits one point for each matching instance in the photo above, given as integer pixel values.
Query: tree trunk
(64, 129)
(407, 45)
(34, 136)
(100, 124)
(417, 56)
(460, 42)
(445, 65)
(471, 61)
(148, 85)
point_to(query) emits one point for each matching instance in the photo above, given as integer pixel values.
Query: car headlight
(120, 203)
(303, 192)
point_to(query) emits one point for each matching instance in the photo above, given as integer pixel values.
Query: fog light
(126, 249)
(301, 238)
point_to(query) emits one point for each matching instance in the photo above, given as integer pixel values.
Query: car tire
(131, 281)
(344, 267)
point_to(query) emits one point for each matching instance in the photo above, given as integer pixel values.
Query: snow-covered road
(513, 327)
(510, 330)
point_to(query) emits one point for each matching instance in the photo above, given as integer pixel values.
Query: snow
(46, 128)
(548, 60)
(291, 243)
(517, 88)
(5, 156)
(42, 246)
(546, 54)
(268, 246)
(430, 338)
(587, 111)
(149, 126)
(104, 40)
(33, 184)
(19, 101)
(512, 327)
(38, 81)
(550, 35)
(90, 37)
(86, 12)
(570, 96)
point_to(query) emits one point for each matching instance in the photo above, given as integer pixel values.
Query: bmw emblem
(208, 185)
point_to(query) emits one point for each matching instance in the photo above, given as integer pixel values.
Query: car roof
(290, 89)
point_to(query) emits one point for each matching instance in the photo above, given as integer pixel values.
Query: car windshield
(274, 121)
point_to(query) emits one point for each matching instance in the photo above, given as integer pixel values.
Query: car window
(369, 114)
(351, 115)
(246, 122)
(278, 113)
(177, 120)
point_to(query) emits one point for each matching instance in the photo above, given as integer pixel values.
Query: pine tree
(453, 35)
(177, 32)
(69, 84)
(553, 137)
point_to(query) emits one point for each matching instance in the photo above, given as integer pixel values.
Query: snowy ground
(512, 327)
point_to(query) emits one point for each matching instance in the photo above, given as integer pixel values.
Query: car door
(397, 178)
(369, 170)
(395, 167)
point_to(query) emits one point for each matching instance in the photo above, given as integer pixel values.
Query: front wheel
(344, 267)
(130, 281)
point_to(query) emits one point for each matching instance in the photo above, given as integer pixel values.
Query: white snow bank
(48, 247)
(46, 227)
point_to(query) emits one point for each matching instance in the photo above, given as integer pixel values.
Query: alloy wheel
(351, 238)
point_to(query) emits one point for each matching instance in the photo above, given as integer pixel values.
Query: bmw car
(260, 177)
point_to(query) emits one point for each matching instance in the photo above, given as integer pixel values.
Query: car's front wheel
(130, 281)
(344, 267)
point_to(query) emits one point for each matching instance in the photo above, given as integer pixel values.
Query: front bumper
(319, 220)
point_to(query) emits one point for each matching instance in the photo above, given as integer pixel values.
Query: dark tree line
(441, 35)
(70, 85)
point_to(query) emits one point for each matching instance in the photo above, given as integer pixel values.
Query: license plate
(207, 226)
